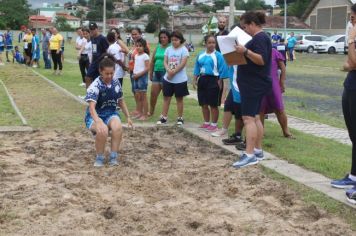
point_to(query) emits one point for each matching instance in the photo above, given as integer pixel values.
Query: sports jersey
(212, 64)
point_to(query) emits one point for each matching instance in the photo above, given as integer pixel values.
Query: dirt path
(167, 183)
(40, 103)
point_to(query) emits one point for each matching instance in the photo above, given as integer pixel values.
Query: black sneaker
(232, 140)
(241, 146)
(162, 121)
(180, 121)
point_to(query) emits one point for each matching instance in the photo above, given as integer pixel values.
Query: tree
(187, 2)
(62, 24)
(221, 4)
(14, 13)
(97, 9)
(82, 2)
(295, 7)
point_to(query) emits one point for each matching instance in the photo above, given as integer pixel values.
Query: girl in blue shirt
(103, 96)
(209, 69)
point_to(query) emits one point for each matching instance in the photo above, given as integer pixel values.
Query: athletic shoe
(232, 140)
(219, 133)
(34, 66)
(82, 84)
(260, 156)
(113, 161)
(343, 183)
(351, 195)
(162, 121)
(180, 121)
(204, 126)
(241, 146)
(99, 162)
(212, 128)
(245, 161)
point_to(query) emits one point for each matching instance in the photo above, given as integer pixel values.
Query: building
(328, 17)
(189, 20)
(73, 21)
(294, 24)
(40, 22)
(114, 23)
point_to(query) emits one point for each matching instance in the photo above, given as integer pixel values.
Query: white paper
(227, 43)
(236, 36)
(242, 36)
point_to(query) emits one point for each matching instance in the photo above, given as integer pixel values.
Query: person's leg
(60, 64)
(260, 132)
(180, 106)
(138, 104)
(239, 125)
(100, 141)
(155, 91)
(206, 113)
(7, 55)
(262, 117)
(82, 65)
(165, 108)
(283, 122)
(136, 111)
(144, 105)
(349, 108)
(54, 59)
(116, 138)
(214, 114)
(251, 133)
(225, 90)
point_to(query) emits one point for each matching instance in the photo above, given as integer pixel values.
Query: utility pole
(285, 19)
(104, 17)
(232, 13)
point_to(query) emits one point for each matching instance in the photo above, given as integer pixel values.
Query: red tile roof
(278, 22)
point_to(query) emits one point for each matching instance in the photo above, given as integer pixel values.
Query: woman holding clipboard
(254, 81)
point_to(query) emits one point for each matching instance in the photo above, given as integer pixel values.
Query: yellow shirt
(55, 42)
(28, 38)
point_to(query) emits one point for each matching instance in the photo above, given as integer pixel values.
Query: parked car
(306, 43)
(333, 44)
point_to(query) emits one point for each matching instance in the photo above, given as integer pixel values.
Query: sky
(38, 3)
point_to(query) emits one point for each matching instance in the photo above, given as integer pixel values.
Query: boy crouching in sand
(103, 95)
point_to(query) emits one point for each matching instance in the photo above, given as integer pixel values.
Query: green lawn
(8, 116)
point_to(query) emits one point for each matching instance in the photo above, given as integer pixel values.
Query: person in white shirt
(84, 53)
(140, 77)
(115, 50)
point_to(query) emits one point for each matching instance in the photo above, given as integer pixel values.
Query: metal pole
(232, 13)
(104, 17)
(285, 19)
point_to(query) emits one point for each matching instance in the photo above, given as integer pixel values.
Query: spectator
(36, 52)
(157, 69)
(84, 54)
(292, 41)
(55, 43)
(28, 46)
(9, 46)
(46, 35)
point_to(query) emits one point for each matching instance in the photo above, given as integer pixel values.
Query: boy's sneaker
(241, 146)
(180, 121)
(260, 156)
(162, 121)
(351, 195)
(343, 183)
(212, 128)
(99, 161)
(245, 161)
(219, 133)
(232, 140)
(113, 161)
(204, 126)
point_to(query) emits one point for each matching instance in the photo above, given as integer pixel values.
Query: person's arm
(81, 49)
(60, 44)
(152, 64)
(124, 109)
(254, 57)
(99, 124)
(282, 78)
(196, 72)
(78, 46)
(123, 46)
(351, 56)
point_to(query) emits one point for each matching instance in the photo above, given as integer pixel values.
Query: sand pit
(167, 183)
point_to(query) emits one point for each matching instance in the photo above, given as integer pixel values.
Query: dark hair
(106, 60)
(144, 45)
(166, 32)
(79, 28)
(86, 30)
(137, 29)
(117, 31)
(207, 37)
(111, 37)
(179, 35)
(353, 8)
(258, 18)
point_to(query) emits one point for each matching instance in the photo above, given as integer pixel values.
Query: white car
(332, 44)
(306, 43)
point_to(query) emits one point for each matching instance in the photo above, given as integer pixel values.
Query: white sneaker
(82, 84)
(219, 133)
